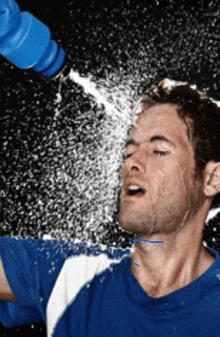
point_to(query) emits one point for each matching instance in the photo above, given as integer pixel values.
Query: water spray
(26, 42)
(87, 144)
(90, 88)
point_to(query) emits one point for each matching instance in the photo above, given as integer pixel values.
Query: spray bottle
(26, 42)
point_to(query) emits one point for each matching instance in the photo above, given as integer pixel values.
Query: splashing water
(95, 188)
(90, 88)
(62, 169)
(67, 200)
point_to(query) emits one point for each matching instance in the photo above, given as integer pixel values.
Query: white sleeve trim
(76, 272)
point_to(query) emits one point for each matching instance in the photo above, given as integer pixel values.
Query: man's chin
(131, 223)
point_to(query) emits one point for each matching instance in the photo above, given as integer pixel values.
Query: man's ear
(212, 179)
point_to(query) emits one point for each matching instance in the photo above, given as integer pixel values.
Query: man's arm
(6, 293)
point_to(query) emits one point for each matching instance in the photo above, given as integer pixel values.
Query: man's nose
(136, 162)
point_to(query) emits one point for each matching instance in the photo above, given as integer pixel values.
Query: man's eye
(126, 155)
(161, 153)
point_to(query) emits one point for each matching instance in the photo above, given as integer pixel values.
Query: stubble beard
(163, 216)
(150, 222)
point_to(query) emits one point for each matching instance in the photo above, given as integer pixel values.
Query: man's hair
(203, 127)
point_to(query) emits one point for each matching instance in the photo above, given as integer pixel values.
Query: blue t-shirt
(79, 289)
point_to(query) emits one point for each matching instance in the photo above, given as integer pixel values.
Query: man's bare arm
(6, 293)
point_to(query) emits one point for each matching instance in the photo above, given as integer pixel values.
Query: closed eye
(161, 153)
(127, 155)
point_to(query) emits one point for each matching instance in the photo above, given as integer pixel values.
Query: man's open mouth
(135, 190)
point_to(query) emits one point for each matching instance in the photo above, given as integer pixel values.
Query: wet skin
(171, 205)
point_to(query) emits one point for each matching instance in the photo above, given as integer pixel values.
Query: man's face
(160, 161)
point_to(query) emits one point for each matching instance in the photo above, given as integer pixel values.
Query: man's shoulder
(47, 248)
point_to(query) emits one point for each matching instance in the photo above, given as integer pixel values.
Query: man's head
(174, 141)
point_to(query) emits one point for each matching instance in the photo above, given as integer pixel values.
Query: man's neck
(162, 271)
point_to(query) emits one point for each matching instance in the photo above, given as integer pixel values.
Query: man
(170, 180)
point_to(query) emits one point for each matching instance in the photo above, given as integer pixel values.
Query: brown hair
(204, 114)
